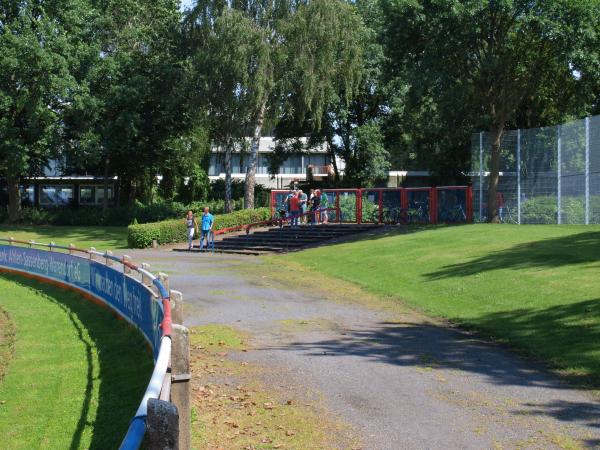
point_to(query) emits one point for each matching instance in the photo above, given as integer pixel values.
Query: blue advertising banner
(127, 296)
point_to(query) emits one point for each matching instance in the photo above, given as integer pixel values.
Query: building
(295, 167)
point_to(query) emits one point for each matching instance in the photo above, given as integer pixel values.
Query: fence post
(559, 175)
(480, 175)
(587, 170)
(180, 382)
(125, 260)
(519, 176)
(176, 306)
(162, 425)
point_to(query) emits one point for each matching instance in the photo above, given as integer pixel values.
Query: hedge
(115, 215)
(174, 231)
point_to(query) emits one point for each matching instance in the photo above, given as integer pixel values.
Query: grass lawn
(534, 287)
(74, 374)
(103, 238)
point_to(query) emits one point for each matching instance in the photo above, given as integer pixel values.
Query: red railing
(442, 204)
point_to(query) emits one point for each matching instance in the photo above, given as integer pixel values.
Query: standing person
(286, 202)
(324, 207)
(303, 205)
(207, 225)
(192, 227)
(294, 210)
(314, 207)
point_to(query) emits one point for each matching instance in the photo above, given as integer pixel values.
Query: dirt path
(399, 381)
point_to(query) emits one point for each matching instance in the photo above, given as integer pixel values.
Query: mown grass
(76, 375)
(102, 238)
(534, 287)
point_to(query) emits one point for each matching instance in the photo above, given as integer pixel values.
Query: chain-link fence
(547, 175)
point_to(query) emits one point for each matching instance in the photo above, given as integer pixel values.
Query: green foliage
(369, 160)
(174, 231)
(197, 186)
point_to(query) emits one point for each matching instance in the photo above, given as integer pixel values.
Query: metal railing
(159, 385)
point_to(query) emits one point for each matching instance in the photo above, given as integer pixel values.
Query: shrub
(174, 231)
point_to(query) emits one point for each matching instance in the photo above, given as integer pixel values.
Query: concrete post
(92, 249)
(180, 382)
(71, 247)
(162, 426)
(176, 306)
(164, 279)
(109, 261)
(146, 280)
(10, 240)
(52, 244)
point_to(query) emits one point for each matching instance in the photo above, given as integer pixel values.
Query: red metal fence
(429, 205)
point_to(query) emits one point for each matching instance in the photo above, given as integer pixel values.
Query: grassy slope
(536, 287)
(103, 238)
(77, 373)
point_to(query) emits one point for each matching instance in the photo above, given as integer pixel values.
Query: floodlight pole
(519, 176)
(587, 170)
(559, 175)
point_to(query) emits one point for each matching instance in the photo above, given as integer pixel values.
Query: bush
(116, 215)
(174, 231)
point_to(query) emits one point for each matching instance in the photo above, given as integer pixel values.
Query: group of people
(300, 207)
(207, 222)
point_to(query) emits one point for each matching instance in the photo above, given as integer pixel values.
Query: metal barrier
(146, 303)
(428, 205)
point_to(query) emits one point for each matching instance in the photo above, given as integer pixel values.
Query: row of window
(62, 195)
(294, 165)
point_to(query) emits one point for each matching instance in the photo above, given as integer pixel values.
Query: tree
(490, 57)
(369, 160)
(231, 59)
(39, 47)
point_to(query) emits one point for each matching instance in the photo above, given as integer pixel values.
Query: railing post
(52, 244)
(176, 306)
(126, 259)
(164, 279)
(71, 247)
(519, 176)
(146, 280)
(162, 426)
(180, 382)
(92, 249)
(10, 240)
(107, 255)
(559, 176)
(480, 175)
(587, 170)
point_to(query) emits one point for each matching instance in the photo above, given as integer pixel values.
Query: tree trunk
(105, 199)
(333, 161)
(14, 199)
(251, 171)
(496, 137)
(228, 150)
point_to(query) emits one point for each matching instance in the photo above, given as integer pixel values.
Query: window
(216, 165)
(27, 195)
(56, 195)
(292, 165)
(94, 195)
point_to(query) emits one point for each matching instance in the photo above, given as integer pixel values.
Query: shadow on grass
(65, 235)
(123, 366)
(547, 253)
(435, 347)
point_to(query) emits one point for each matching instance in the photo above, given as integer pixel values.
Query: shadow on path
(429, 346)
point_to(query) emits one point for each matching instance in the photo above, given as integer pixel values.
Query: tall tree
(489, 57)
(231, 59)
(39, 47)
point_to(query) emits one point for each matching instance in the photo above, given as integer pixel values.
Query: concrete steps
(275, 240)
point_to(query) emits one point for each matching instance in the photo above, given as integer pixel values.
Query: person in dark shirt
(314, 207)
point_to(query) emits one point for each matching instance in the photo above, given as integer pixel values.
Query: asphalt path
(399, 380)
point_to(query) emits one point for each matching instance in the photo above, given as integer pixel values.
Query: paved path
(400, 382)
